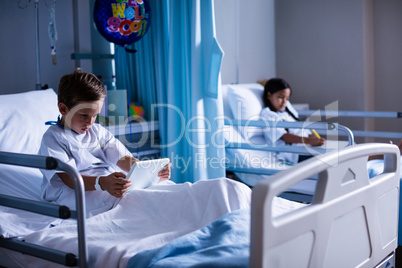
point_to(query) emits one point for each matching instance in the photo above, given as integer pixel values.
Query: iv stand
(38, 84)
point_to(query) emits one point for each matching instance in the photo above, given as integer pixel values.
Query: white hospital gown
(95, 152)
(273, 135)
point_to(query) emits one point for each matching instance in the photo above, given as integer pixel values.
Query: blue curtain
(176, 73)
(144, 73)
(195, 139)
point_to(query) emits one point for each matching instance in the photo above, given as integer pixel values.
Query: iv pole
(38, 84)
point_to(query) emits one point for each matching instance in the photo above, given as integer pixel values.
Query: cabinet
(141, 139)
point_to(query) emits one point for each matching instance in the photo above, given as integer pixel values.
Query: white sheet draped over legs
(144, 219)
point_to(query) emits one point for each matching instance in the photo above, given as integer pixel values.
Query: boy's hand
(126, 162)
(164, 174)
(115, 184)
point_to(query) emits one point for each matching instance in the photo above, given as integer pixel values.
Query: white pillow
(23, 117)
(245, 100)
(226, 106)
(246, 103)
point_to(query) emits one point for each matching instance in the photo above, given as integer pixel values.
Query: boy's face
(81, 117)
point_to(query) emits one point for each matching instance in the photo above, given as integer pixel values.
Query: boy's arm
(115, 183)
(126, 162)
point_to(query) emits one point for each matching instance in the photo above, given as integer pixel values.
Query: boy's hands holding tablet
(164, 174)
(143, 174)
(115, 184)
(146, 173)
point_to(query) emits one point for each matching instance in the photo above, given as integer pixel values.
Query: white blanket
(143, 219)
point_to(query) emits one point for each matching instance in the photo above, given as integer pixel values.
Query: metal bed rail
(343, 113)
(332, 127)
(42, 162)
(302, 150)
(358, 114)
(377, 134)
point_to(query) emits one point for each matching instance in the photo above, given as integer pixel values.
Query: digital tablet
(145, 173)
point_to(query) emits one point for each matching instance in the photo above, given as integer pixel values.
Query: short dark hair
(78, 87)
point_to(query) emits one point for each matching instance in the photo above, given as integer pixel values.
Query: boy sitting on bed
(97, 155)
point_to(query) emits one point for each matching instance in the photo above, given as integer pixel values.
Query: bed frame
(248, 101)
(352, 220)
(330, 128)
(48, 209)
(358, 114)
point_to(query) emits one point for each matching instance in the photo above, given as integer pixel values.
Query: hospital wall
(246, 32)
(333, 53)
(17, 45)
(330, 51)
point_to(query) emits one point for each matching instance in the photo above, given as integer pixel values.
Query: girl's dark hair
(274, 85)
(78, 87)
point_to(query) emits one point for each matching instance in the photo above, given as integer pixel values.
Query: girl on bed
(74, 139)
(277, 108)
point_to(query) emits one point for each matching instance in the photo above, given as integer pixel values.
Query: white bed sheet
(376, 167)
(21, 182)
(146, 219)
(143, 219)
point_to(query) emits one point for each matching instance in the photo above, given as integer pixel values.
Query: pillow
(23, 117)
(245, 101)
(226, 106)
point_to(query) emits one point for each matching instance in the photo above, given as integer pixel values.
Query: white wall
(245, 31)
(345, 53)
(388, 60)
(320, 52)
(342, 51)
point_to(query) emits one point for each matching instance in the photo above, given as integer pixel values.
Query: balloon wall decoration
(122, 22)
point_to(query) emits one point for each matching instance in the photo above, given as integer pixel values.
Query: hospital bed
(245, 137)
(351, 222)
(248, 154)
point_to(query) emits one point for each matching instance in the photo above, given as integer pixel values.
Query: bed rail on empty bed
(42, 162)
